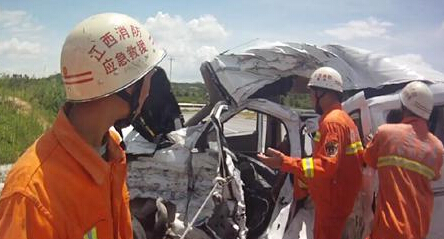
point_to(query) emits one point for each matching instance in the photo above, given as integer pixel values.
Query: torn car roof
(243, 74)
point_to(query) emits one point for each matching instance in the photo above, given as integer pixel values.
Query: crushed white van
(203, 180)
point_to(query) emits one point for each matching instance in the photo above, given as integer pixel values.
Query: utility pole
(171, 67)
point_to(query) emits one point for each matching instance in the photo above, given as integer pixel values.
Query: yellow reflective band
(354, 148)
(317, 137)
(91, 234)
(308, 167)
(393, 160)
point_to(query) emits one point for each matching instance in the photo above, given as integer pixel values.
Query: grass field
(27, 108)
(18, 129)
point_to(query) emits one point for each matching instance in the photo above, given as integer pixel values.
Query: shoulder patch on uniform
(331, 148)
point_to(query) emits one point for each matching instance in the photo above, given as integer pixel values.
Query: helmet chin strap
(133, 101)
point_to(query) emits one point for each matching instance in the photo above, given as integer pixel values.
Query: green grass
(300, 101)
(17, 131)
(190, 92)
(45, 95)
(27, 108)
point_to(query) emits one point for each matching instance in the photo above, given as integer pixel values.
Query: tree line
(29, 105)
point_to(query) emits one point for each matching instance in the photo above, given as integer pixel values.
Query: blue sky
(32, 32)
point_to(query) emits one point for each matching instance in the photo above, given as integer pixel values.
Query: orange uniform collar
(417, 122)
(335, 106)
(82, 152)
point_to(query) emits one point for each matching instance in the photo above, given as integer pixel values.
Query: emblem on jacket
(331, 148)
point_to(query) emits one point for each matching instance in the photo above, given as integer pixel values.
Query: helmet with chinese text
(418, 98)
(326, 78)
(104, 54)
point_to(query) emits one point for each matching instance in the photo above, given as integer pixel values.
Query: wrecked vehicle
(201, 179)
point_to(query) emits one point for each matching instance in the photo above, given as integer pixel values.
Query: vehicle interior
(261, 184)
(436, 125)
(256, 132)
(260, 190)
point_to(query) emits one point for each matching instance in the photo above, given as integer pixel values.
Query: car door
(357, 107)
(264, 124)
(272, 122)
(435, 231)
(437, 127)
(360, 220)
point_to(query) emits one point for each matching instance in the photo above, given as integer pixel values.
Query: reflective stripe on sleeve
(91, 234)
(308, 167)
(393, 160)
(354, 148)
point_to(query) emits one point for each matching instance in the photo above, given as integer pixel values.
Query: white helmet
(326, 78)
(418, 98)
(104, 54)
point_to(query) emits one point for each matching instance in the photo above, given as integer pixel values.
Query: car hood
(238, 76)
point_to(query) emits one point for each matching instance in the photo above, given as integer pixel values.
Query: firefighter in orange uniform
(71, 183)
(407, 157)
(334, 173)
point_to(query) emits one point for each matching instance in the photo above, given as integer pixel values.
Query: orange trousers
(328, 227)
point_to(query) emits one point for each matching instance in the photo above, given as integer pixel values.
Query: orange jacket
(334, 173)
(407, 157)
(61, 188)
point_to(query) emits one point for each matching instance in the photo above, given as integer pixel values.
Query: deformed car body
(204, 181)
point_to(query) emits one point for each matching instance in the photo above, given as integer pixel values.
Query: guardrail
(191, 106)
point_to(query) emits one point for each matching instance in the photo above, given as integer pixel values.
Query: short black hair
(394, 116)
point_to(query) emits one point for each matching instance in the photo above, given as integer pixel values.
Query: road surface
(237, 125)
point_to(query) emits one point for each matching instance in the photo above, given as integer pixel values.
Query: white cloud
(14, 47)
(416, 63)
(22, 42)
(189, 43)
(411, 59)
(18, 21)
(12, 18)
(367, 28)
(206, 28)
(206, 52)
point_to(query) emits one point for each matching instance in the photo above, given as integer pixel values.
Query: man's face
(316, 97)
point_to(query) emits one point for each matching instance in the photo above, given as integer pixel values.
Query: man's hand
(273, 158)
(368, 139)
